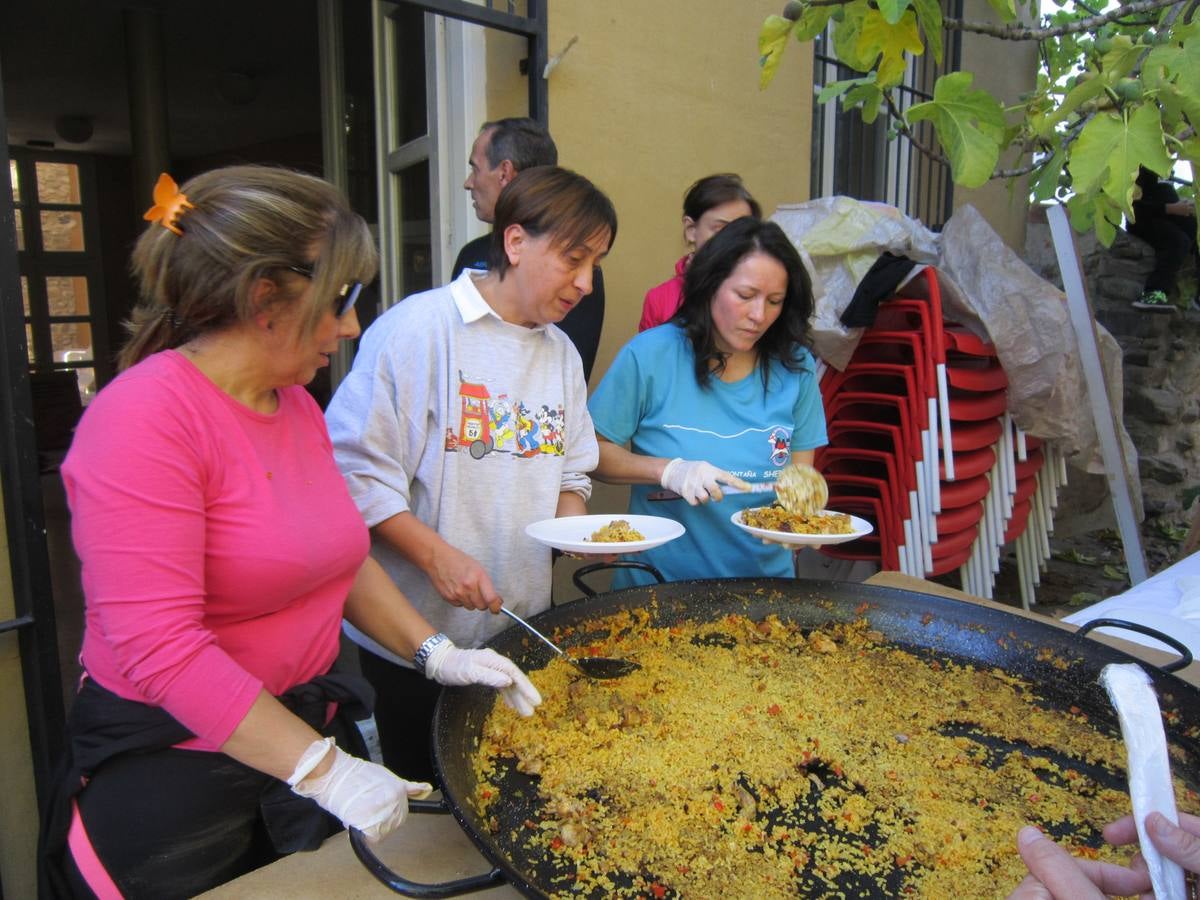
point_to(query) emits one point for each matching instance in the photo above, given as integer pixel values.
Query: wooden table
(433, 849)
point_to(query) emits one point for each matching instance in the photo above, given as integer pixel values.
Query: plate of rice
(774, 523)
(621, 533)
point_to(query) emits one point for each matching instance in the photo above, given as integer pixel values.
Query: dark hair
(524, 142)
(248, 222)
(1146, 178)
(712, 266)
(713, 190)
(554, 202)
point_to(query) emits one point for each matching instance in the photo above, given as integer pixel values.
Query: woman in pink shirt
(708, 206)
(220, 551)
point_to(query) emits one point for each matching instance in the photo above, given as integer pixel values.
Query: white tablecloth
(1168, 602)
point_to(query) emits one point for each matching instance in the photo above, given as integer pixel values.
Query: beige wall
(18, 804)
(1006, 69)
(651, 97)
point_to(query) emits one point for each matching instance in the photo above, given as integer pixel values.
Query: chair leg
(1023, 579)
(944, 409)
(933, 455)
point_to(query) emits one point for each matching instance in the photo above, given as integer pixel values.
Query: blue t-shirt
(650, 398)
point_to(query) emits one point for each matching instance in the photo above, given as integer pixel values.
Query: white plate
(861, 528)
(571, 533)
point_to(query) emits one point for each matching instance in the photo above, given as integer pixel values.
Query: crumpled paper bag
(839, 239)
(984, 286)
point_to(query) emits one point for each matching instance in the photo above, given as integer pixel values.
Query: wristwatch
(427, 647)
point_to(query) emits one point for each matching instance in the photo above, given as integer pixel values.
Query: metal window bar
(532, 26)
(857, 160)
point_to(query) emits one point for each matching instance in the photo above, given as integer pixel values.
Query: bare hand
(1056, 875)
(462, 581)
(1179, 844)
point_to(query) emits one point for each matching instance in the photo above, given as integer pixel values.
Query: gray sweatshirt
(475, 426)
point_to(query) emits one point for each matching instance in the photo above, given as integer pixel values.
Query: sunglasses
(346, 297)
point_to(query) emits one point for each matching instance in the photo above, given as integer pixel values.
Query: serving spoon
(599, 667)
(800, 489)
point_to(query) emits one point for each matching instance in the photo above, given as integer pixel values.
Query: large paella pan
(1060, 667)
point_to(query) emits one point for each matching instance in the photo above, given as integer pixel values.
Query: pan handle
(1179, 647)
(428, 806)
(617, 564)
(362, 849)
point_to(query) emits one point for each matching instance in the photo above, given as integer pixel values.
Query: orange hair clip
(169, 204)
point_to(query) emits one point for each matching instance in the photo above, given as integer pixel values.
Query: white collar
(471, 305)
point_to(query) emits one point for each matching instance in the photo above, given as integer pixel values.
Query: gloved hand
(697, 481)
(455, 667)
(361, 794)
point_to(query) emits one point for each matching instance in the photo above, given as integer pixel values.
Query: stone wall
(1161, 369)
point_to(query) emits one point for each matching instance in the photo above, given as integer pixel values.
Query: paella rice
(753, 759)
(776, 518)
(616, 531)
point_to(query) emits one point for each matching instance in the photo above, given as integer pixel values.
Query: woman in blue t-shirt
(722, 394)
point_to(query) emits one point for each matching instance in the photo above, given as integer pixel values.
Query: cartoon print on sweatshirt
(488, 424)
(504, 427)
(527, 431)
(551, 432)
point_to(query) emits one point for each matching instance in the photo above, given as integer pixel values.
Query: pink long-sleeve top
(662, 301)
(218, 544)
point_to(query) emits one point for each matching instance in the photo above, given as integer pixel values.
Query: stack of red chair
(885, 404)
(921, 444)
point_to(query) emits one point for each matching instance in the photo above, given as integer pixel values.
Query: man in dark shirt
(1167, 224)
(503, 149)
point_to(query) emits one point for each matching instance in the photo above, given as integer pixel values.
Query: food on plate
(616, 531)
(801, 489)
(776, 518)
(758, 759)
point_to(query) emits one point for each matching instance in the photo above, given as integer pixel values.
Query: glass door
(60, 266)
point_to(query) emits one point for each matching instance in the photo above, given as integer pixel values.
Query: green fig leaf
(969, 125)
(890, 43)
(772, 40)
(929, 14)
(1111, 147)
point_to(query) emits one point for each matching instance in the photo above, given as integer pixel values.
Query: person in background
(725, 393)
(503, 149)
(463, 420)
(220, 551)
(1056, 875)
(708, 206)
(1167, 224)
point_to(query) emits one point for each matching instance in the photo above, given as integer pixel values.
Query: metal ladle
(599, 667)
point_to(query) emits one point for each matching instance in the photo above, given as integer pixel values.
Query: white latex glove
(361, 794)
(454, 667)
(697, 481)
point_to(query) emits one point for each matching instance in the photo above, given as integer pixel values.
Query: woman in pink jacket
(220, 552)
(708, 206)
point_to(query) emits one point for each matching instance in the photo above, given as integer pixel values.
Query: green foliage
(1074, 556)
(969, 125)
(888, 43)
(1171, 531)
(1117, 573)
(771, 41)
(1110, 149)
(1110, 96)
